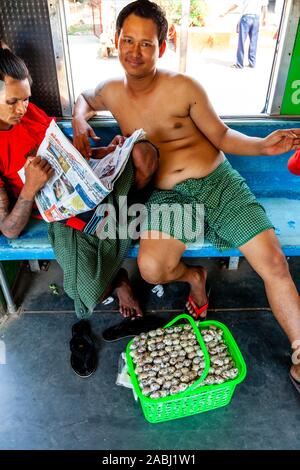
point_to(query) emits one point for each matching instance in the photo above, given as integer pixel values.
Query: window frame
(283, 56)
(57, 16)
(277, 81)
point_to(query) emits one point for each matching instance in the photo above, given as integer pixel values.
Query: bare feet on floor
(295, 372)
(198, 291)
(128, 303)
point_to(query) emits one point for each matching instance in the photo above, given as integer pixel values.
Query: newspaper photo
(77, 185)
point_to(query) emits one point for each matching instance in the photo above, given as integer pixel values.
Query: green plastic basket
(196, 399)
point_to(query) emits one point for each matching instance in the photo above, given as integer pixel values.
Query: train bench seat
(268, 177)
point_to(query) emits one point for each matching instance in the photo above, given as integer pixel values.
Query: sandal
(132, 327)
(83, 357)
(199, 310)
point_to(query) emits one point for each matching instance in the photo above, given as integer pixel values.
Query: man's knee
(151, 268)
(155, 269)
(276, 265)
(143, 150)
(145, 160)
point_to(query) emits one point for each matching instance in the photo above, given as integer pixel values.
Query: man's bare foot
(128, 303)
(198, 292)
(295, 369)
(295, 376)
(295, 372)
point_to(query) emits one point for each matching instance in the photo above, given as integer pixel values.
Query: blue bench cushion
(284, 213)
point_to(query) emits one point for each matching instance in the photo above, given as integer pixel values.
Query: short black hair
(12, 65)
(149, 10)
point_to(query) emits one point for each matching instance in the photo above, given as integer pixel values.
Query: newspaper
(77, 185)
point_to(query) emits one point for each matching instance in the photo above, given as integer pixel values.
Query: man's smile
(134, 62)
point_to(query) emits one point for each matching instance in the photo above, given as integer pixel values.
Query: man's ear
(2, 92)
(162, 49)
(116, 40)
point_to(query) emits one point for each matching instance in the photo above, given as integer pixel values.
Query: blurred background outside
(210, 52)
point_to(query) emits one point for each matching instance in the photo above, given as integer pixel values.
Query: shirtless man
(176, 114)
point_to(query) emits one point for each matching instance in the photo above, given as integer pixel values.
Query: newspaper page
(109, 168)
(77, 186)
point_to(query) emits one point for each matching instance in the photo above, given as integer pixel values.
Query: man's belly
(178, 170)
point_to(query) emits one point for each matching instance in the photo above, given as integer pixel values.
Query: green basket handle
(203, 347)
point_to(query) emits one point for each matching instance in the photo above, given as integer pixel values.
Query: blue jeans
(248, 26)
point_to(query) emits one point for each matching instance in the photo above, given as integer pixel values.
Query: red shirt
(18, 143)
(294, 163)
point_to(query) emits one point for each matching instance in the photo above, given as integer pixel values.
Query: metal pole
(184, 33)
(11, 306)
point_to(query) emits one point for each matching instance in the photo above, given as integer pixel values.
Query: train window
(203, 41)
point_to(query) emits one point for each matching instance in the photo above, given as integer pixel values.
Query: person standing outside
(172, 38)
(251, 11)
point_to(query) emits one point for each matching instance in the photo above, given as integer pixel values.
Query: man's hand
(281, 141)
(81, 133)
(100, 152)
(118, 140)
(37, 172)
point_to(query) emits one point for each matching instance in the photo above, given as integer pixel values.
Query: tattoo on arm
(94, 98)
(4, 204)
(12, 223)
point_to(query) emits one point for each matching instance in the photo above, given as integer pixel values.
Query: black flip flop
(129, 327)
(81, 327)
(84, 356)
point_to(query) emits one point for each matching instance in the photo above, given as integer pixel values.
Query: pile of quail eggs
(169, 360)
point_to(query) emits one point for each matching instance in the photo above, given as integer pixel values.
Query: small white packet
(123, 377)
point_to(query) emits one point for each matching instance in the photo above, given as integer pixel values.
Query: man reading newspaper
(73, 196)
(91, 246)
(22, 128)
